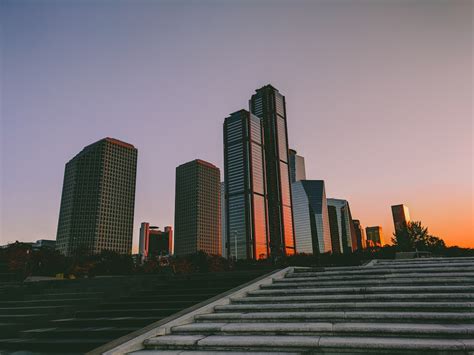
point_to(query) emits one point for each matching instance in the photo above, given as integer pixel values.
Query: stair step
(381, 271)
(104, 321)
(156, 312)
(305, 343)
(386, 276)
(336, 329)
(86, 332)
(363, 290)
(28, 310)
(350, 316)
(414, 281)
(394, 297)
(148, 304)
(79, 345)
(342, 306)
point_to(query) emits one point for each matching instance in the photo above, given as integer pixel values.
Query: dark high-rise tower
(268, 104)
(98, 199)
(245, 190)
(197, 215)
(297, 168)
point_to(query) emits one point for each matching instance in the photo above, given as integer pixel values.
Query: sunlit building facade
(269, 105)
(311, 220)
(153, 242)
(197, 218)
(342, 218)
(245, 187)
(374, 236)
(401, 216)
(98, 199)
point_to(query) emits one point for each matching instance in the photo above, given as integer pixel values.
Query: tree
(414, 236)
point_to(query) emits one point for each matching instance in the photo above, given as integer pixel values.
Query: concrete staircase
(75, 316)
(400, 307)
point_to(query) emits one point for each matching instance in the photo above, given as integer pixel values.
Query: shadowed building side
(360, 234)
(268, 104)
(345, 227)
(197, 208)
(98, 199)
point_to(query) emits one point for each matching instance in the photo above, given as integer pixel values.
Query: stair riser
(145, 306)
(340, 319)
(358, 290)
(138, 323)
(414, 276)
(393, 334)
(343, 308)
(43, 310)
(84, 334)
(449, 282)
(306, 350)
(127, 313)
(361, 298)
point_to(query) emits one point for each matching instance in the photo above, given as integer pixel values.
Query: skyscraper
(360, 234)
(197, 219)
(401, 216)
(245, 188)
(297, 168)
(347, 237)
(98, 199)
(374, 236)
(311, 218)
(269, 105)
(154, 242)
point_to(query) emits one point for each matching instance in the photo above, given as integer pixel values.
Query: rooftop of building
(200, 162)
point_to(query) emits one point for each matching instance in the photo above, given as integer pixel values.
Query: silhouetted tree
(414, 236)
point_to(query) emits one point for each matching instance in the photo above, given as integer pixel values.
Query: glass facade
(269, 105)
(346, 231)
(312, 231)
(246, 204)
(297, 167)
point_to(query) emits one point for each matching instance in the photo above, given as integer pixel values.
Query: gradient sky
(379, 99)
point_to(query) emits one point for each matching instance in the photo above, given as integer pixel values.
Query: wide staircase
(401, 307)
(75, 316)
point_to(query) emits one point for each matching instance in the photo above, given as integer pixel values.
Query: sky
(379, 99)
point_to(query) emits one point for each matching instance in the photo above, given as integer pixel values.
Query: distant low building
(360, 234)
(154, 242)
(374, 236)
(44, 243)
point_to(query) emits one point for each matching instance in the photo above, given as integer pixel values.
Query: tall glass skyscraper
(98, 199)
(347, 236)
(197, 215)
(269, 105)
(245, 187)
(311, 218)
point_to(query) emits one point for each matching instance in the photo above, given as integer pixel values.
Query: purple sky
(379, 99)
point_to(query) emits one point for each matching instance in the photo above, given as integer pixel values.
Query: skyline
(57, 97)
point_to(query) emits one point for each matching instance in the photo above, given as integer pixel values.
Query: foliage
(414, 236)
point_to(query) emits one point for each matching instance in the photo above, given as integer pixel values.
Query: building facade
(223, 221)
(98, 199)
(341, 216)
(311, 220)
(297, 167)
(374, 236)
(401, 216)
(245, 187)
(269, 105)
(197, 220)
(360, 234)
(153, 242)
